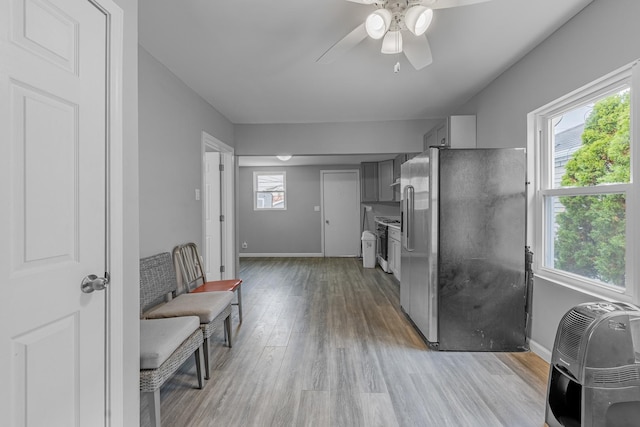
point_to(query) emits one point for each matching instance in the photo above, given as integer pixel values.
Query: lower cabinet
(394, 251)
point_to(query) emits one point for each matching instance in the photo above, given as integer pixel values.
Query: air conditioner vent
(571, 333)
(618, 376)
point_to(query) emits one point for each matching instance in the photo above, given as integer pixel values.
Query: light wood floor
(324, 343)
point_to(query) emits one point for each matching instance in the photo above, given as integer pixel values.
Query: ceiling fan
(401, 24)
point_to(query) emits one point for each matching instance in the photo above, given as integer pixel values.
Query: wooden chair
(159, 298)
(188, 260)
(165, 344)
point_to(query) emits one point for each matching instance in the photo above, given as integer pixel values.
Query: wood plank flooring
(324, 343)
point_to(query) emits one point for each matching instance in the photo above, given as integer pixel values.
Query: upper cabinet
(453, 132)
(385, 179)
(369, 182)
(380, 181)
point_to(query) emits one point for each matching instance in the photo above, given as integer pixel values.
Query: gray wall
(600, 39)
(404, 136)
(172, 118)
(298, 230)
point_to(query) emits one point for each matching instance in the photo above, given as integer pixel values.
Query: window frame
(540, 134)
(256, 174)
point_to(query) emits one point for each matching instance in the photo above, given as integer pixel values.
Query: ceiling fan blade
(417, 51)
(342, 46)
(444, 4)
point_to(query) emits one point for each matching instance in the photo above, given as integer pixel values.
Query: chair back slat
(190, 265)
(157, 279)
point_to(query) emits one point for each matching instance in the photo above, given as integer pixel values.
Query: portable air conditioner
(594, 378)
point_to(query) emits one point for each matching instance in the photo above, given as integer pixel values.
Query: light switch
(316, 208)
(197, 194)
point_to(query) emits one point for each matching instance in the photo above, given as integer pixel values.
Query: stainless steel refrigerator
(463, 217)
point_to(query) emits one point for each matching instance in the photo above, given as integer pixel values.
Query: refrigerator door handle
(408, 217)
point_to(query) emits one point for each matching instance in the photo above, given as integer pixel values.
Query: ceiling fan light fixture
(392, 43)
(377, 23)
(284, 157)
(418, 19)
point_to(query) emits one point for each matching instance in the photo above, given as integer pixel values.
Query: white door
(341, 211)
(213, 201)
(53, 59)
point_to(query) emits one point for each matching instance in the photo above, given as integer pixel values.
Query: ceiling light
(392, 43)
(284, 157)
(417, 19)
(377, 24)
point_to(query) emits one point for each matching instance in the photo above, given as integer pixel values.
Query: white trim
(281, 255)
(227, 158)
(322, 218)
(114, 369)
(543, 352)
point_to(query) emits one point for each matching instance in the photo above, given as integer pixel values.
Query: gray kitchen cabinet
(394, 251)
(453, 132)
(385, 179)
(369, 182)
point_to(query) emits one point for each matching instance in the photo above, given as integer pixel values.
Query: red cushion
(219, 285)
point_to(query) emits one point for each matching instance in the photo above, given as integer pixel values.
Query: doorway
(218, 180)
(340, 212)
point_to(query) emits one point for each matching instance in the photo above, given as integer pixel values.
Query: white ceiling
(254, 61)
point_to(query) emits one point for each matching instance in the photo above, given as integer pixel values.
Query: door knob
(94, 283)
(327, 221)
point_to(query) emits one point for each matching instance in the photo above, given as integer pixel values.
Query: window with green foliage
(584, 157)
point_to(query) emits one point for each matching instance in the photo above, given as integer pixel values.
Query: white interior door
(341, 211)
(53, 59)
(213, 202)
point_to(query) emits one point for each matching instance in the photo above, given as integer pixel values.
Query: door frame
(227, 158)
(114, 299)
(322, 216)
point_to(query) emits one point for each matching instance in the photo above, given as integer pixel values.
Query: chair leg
(239, 291)
(205, 348)
(227, 326)
(153, 403)
(198, 354)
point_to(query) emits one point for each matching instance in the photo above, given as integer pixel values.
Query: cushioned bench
(164, 346)
(159, 299)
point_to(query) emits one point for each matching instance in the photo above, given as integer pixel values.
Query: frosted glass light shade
(284, 157)
(377, 24)
(417, 19)
(392, 43)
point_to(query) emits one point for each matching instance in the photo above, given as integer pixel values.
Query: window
(585, 191)
(269, 191)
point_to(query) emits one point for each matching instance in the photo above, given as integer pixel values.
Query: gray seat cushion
(206, 305)
(159, 338)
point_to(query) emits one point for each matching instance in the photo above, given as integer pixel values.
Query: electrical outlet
(197, 194)
(368, 208)
(244, 245)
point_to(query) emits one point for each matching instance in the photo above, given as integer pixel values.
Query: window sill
(595, 291)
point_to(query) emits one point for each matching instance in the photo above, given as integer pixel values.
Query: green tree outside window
(590, 238)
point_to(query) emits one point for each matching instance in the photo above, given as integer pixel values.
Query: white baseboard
(281, 255)
(541, 351)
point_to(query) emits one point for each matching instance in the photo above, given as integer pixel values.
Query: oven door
(381, 232)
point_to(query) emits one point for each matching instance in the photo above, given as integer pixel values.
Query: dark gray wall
(599, 40)
(172, 118)
(298, 229)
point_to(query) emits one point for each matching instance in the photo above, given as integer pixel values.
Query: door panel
(53, 118)
(341, 206)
